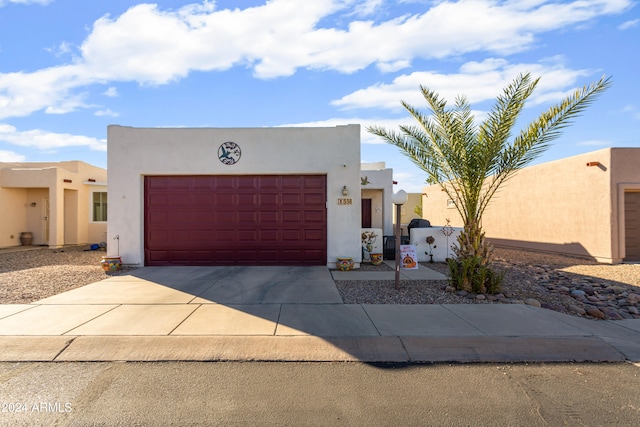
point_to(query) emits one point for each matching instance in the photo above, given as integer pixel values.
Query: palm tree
(471, 161)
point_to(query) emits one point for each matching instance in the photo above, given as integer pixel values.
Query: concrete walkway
(291, 314)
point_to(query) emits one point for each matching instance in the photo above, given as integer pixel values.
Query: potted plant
(344, 264)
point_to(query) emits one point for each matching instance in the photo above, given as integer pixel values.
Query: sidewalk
(272, 314)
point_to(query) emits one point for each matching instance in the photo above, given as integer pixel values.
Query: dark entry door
(366, 213)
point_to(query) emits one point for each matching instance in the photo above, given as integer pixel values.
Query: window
(99, 206)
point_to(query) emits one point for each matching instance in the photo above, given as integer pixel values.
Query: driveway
(202, 285)
(288, 313)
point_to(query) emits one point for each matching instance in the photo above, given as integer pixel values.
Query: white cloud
(629, 24)
(51, 89)
(105, 113)
(112, 92)
(495, 74)
(411, 182)
(595, 143)
(44, 140)
(10, 156)
(153, 46)
(365, 137)
(25, 2)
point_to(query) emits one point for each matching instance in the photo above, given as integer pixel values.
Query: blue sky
(69, 68)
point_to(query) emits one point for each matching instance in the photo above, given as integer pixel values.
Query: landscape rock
(594, 312)
(532, 301)
(577, 293)
(577, 309)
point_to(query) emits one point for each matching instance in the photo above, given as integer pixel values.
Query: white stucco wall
(377, 184)
(136, 152)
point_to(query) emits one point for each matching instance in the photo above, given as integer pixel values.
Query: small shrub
(471, 275)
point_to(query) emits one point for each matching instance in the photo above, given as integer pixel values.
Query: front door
(46, 220)
(366, 213)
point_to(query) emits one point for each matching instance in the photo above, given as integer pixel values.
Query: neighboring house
(58, 203)
(408, 210)
(586, 205)
(244, 196)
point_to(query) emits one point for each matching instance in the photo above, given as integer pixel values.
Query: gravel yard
(33, 273)
(570, 285)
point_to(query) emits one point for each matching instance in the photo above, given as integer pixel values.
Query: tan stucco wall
(562, 206)
(136, 152)
(69, 202)
(409, 208)
(13, 202)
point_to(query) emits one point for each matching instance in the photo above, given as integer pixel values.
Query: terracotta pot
(344, 264)
(111, 263)
(26, 238)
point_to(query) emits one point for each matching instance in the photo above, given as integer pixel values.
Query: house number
(345, 201)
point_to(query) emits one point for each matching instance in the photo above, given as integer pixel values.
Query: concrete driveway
(289, 313)
(203, 285)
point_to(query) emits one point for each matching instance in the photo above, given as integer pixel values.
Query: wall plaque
(229, 153)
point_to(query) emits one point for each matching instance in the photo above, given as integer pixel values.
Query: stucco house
(234, 196)
(586, 205)
(57, 203)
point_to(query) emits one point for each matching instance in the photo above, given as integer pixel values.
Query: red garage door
(235, 220)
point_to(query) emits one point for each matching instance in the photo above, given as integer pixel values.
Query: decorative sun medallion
(229, 153)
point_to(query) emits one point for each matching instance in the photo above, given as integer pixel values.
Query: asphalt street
(318, 394)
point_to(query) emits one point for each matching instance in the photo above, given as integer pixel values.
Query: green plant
(470, 161)
(470, 270)
(471, 275)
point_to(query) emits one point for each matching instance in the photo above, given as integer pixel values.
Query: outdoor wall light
(345, 191)
(400, 197)
(33, 204)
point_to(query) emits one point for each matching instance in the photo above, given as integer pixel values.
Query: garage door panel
(201, 217)
(224, 199)
(291, 200)
(269, 200)
(314, 200)
(292, 182)
(292, 235)
(267, 183)
(235, 220)
(245, 236)
(291, 217)
(268, 236)
(247, 200)
(313, 217)
(224, 217)
(313, 235)
(315, 182)
(247, 217)
(632, 225)
(221, 183)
